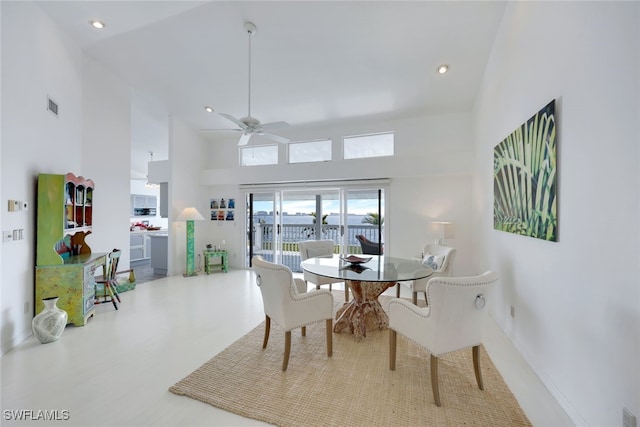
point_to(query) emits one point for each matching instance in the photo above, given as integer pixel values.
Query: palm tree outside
(373, 219)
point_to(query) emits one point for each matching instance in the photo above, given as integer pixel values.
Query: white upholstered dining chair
(287, 302)
(319, 248)
(440, 259)
(453, 320)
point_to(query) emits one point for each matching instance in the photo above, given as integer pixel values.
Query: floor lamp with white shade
(190, 215)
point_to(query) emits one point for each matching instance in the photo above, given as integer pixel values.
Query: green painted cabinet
(65, 266)
(73, 283)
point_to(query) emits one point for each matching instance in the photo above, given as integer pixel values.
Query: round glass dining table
(367, 281)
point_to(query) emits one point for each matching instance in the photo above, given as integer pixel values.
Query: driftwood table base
(364, 311)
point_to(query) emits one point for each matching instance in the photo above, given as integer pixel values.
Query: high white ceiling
(311, 61)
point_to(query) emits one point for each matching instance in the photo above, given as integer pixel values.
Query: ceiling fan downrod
(251, 30)
(249, 125)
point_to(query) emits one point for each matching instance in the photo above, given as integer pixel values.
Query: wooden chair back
(112, 264)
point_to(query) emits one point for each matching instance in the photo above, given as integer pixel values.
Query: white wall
(185, 190)
(34, 64)
(430, 180)
(416, 201)
(106, 142)
(577, 301)
(89, 138)
(231, 232)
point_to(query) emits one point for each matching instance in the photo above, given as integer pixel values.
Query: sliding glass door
(263, 219)
(363, 216)
(278, 220)
(308, 215)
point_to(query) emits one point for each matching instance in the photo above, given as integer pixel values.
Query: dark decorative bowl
(352, 259)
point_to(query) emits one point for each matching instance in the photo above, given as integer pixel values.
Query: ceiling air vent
(52, 106)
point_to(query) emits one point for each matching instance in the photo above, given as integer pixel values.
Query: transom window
(362, 146)
(310, 151)
(256, 155)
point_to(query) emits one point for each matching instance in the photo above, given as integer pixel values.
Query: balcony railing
(294, 233)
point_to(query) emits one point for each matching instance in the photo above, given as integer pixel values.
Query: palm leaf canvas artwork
(524, 178)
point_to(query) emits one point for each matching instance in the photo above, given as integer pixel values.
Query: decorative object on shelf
(190, 215)
(49, 324)
(525, 178)
(222, 209)
(444, 230)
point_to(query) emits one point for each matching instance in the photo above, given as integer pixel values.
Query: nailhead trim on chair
(443, 281)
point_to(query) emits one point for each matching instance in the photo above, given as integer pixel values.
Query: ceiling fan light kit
(250, 125)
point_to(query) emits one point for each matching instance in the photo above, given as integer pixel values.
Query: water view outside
(298, 224)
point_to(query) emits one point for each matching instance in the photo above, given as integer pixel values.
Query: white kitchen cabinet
(159, 253)
(139, 245)
(143, 205)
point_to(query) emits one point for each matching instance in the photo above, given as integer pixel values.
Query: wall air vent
(52, 106)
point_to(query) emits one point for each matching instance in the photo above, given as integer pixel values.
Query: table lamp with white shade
(445, 231)
(190, 215)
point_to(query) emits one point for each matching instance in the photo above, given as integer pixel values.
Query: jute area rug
(352, 388)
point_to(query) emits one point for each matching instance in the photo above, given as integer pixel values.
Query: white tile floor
(116, 370)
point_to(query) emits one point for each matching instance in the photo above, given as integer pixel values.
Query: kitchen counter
(162, 230)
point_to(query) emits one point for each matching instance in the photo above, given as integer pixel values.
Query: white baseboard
(12, 342)
(534, 396)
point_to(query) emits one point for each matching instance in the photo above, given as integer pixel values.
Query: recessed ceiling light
(443, 68)
(208, 109)
(97, 24)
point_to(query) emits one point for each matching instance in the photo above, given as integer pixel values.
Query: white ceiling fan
(250, 125)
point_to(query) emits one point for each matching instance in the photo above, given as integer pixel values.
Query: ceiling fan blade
(277, 138)
(220, 130)
(234, 120)
(244, 139)
(274, 125)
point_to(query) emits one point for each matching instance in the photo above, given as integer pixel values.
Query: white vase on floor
(49, 324)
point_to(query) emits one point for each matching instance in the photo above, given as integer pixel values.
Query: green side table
(207, 254)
